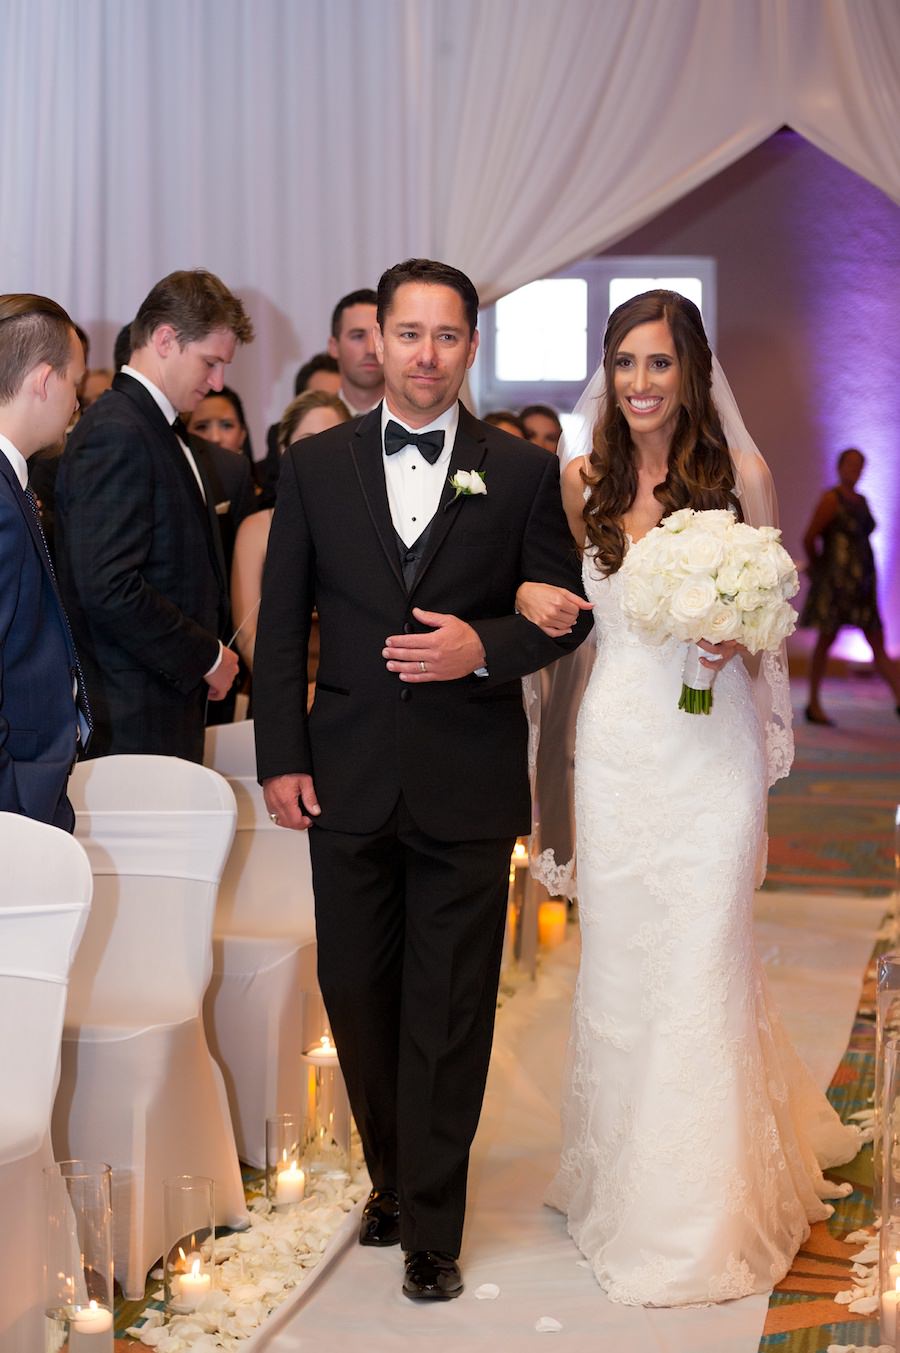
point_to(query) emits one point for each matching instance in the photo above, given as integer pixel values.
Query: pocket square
(222, 508)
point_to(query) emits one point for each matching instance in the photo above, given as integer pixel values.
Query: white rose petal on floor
(257, 1270)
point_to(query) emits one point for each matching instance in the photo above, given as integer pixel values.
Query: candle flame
(326, 1043)
(92, 1305)
(195, 1269)
(520, 852)
(182, 1253)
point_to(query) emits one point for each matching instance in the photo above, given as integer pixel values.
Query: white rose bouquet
(705, 575)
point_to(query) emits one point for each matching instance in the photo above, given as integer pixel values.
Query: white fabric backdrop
(298, 147)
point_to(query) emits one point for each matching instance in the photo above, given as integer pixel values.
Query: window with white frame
(540, 343)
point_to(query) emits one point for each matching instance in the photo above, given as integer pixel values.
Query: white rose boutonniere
(467, 483)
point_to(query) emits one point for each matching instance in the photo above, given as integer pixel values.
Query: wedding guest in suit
(41, 364)
(352, 345)
(542, 425)
(411, 767)
(139, 553)
(310, 413)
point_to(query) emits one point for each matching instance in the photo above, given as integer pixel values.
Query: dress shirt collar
(16, 460)
(352, 409)
(447, 423)
(169, 412)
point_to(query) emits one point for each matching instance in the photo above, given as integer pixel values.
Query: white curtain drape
(298, 147)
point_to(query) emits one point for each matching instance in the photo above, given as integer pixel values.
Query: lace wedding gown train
(693, 1136)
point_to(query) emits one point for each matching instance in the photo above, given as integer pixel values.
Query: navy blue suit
(38, 716)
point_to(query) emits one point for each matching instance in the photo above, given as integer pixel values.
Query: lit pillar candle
(91, 1330)
(552, 924)
(889, 1303)
(323, 1053)
(290, 1185)
(193, 1287)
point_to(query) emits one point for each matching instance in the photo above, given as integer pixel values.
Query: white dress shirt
(413, 486)
(16, 460)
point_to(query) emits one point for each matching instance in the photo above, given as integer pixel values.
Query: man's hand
(221, 680)
(451, 651)
(724, 652)
(291, 800)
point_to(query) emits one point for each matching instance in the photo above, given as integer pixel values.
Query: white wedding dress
(693, 1135)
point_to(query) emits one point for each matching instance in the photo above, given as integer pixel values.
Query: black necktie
(83, 701)
(431, 444)
(181, 431)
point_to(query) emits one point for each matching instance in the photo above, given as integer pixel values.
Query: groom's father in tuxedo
(411, 767)
(41, 363)
(139, 554)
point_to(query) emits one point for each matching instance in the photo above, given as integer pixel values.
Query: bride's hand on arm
(552, 609)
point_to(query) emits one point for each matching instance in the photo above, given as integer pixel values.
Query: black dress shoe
(431, 1276)
(380, 1223)
(813, 717)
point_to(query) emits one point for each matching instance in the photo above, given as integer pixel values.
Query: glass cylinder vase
(887, 1147)
(189, 1259)
(326, 1146)
(887, 1025)
(79, 1298)
(285, 1181)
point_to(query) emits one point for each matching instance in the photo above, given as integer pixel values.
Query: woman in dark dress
(842, 587)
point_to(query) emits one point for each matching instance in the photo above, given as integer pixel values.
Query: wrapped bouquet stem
(696, 683)
(706, 575)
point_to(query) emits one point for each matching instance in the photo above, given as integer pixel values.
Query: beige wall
(808, 261)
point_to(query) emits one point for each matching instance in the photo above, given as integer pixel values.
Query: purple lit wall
(808, 329)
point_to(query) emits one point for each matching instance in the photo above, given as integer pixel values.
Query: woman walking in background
(842, 587)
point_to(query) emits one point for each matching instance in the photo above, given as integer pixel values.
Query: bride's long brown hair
(700, 473)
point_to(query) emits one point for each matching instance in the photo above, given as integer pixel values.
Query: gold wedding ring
(274, 817)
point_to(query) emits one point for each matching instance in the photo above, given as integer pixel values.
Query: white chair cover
(139, 1088)
(44, 904)
(264, 954)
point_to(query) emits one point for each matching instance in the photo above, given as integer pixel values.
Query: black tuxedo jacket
(139, 560)
(38, 719)
(455, 750)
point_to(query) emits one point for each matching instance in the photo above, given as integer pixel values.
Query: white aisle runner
(815, 948)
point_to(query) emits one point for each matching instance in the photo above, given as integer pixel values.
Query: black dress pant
(410, 936)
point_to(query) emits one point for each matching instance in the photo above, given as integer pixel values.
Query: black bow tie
(431, 444)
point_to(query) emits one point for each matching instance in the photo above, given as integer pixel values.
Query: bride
(693, 1137)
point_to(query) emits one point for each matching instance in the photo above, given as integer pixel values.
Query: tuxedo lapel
(469, 451)
(168, 440)
(368, 461)
(167, 437)
(215, 532)
(31, 521)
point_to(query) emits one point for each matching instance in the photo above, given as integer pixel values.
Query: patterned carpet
(832, 824)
